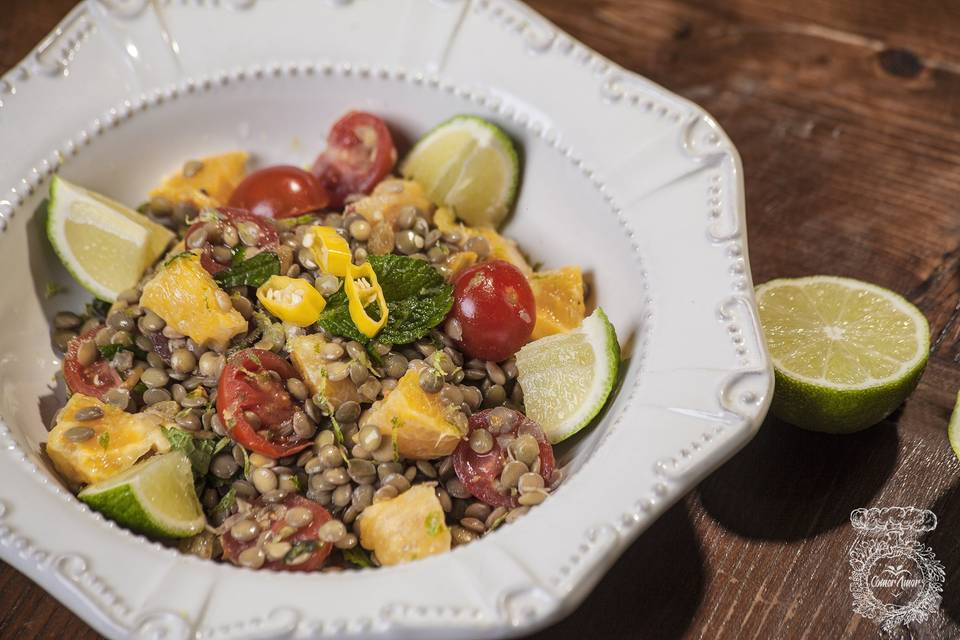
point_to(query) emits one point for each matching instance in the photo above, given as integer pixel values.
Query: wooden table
(847, 115)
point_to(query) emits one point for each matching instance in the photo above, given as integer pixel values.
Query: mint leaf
(198, 451)
(108, 351)
(227, 502)
(252, 273)
(236, 255)
(357, 556)
(418, 299)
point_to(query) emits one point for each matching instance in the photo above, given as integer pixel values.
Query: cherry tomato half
(480, 473)
(267, 234)
(253, 382)
(282, 191)
(307, 553)
(94, 379)
(359, 154)
(496, 310)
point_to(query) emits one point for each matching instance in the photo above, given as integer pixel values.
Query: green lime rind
(953, 429)
(53, 203)
(820, 405)
(602, 337)
(123, 500)
(506, 147)
(817, 408)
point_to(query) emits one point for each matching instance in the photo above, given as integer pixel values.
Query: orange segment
(307, 355)
(189, 301)
(559, 298)
(423, 427)
(118, 440)
(388, 199)
(211, 186)
(408, 527)
(500, 248)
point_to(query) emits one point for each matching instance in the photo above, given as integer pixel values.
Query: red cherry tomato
(481, 472)
(496, 310)
(283, 191)
(269, 240)
(254, 381)
(359, 154)
(312, 551)
(92, 380)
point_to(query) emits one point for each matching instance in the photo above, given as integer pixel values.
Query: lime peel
(468, 164)
(566, 378)
(155, 497)
(953, 429)
(104, 245)
(846, 353)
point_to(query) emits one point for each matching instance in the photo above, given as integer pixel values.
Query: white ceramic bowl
(640, 187)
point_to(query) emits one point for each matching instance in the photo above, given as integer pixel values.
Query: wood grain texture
(847, 116)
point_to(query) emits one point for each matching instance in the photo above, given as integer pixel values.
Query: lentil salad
(333, 353)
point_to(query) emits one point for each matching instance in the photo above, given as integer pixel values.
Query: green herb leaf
(418, 299)
(290, 223)
(199, 451)
(236, 256)
(357, 557)
(140, 388)
(227, 502)
(108, 351)
(337, 431)
(182, 254)
(52, 289)
(252, 273)
(104, 440)
(98, 308)
(300, 548)
(221, 445)
(394, 432)
(434, 523)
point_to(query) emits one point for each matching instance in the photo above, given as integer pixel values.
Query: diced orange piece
(408, 527)
(211, 186)
(306, 353)
(500, 248)
(388, 200)
(118, 440)
(188, 299)
(559, 298)
(422, 425)
(460, 261)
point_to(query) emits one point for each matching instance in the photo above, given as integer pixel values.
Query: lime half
(105, 245)
(566, 378)
(953, 431)
(847, 353)
(155, 497)
(468, 164)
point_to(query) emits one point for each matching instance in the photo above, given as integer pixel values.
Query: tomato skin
(359, 154)
(281, 191)
(93, 380)
(269, 239)
(480, 472)
(246, 385)
(496, 310)
(232, 548)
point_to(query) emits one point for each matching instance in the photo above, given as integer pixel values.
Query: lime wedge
(953, 430)
(155, 497)
(566, 378)
(846, 353)
(105, 245)
(468, 164)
